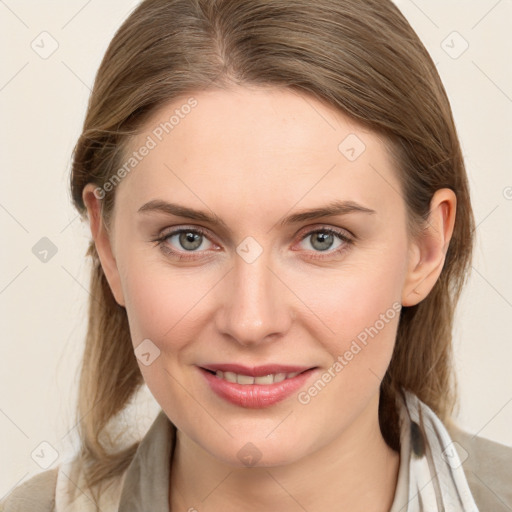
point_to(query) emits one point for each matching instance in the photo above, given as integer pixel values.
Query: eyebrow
(333, 208)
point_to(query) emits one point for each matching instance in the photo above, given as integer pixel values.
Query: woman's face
(253, 279)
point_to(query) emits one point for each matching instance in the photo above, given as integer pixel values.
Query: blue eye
(323, 240)
(326, 242)
(188, 239)
(185, 243)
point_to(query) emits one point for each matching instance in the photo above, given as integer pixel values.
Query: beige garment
(144, 485)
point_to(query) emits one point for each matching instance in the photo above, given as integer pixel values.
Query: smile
(268, 387)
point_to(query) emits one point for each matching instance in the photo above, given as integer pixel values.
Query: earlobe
(427, 252)
(102, 241)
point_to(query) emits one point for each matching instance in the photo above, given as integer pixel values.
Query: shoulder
(488, 469)
(36, 494)
(63, 489)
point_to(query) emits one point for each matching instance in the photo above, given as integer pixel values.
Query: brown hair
(359, 56)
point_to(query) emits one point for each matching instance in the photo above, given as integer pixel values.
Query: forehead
(250, 145)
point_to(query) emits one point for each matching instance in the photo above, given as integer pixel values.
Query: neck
(356, 471)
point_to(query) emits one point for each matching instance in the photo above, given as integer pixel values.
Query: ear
(427, 252)
(102, 240)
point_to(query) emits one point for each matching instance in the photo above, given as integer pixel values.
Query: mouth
(255, 387)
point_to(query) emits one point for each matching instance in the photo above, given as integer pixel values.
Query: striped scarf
(436, 478)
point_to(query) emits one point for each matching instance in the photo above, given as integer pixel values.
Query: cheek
(163, 303)
(358, 302)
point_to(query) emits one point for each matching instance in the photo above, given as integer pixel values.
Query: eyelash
(183, 256)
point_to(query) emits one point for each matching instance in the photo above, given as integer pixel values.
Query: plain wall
(43, 305)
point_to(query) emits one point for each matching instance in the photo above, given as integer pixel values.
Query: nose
(254, 306)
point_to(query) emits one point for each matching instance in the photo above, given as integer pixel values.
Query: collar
(147, 477)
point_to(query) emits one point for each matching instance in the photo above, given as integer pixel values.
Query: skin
(253, 156)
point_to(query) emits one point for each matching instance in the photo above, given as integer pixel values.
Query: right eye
(179, 242)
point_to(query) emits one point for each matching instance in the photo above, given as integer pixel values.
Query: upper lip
(255, 371)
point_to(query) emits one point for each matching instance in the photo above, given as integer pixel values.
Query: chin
(257, 451)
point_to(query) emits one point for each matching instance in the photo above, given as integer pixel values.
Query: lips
(255, 387)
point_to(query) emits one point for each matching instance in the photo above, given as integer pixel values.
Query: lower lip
(255, 396)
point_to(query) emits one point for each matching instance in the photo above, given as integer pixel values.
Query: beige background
(43, 305)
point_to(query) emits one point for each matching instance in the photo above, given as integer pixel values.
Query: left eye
(325, 239)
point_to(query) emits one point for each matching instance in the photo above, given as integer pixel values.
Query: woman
(281, 228)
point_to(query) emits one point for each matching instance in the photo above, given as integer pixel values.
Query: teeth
(230, 376)
(247, 379)
(265, 379)
(244, 379)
